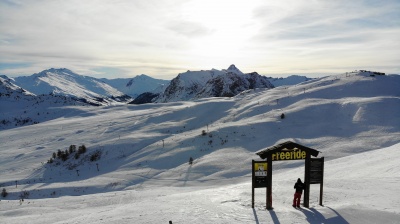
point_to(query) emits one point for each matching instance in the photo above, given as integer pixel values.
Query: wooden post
(307, 181)
(269, 181)
(252, 183)
(321, 185)
(97, 166)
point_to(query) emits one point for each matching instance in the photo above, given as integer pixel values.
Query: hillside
(64, 82)
(288, 81)
(20, 107)
(138, 85)
(352, 119)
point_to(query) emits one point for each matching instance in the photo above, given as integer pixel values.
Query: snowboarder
(299, 186)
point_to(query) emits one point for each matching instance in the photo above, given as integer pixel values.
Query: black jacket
(299, 187)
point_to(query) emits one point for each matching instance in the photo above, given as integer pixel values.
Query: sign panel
(316, 177)
(260, 169)
(316, 164)
(289, 154)
(316, 171)
(260, 174)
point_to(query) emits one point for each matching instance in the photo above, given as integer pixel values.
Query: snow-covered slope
(143, 175)
(67, 83)
(138, 85)
(211, 83)
(288, 81)
(9, 89)
(20, 107)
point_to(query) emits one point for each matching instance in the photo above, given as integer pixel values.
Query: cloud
(316, 34)
(167, 37)
(189, 29)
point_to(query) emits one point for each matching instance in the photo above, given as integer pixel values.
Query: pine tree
(82, 149)
(64, 156)
(72, 149)
(4, 193)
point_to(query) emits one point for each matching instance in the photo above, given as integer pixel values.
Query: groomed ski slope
(351, 118)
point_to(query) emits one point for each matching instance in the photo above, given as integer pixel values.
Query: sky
(162, 38)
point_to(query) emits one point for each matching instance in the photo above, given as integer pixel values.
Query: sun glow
(230, 25)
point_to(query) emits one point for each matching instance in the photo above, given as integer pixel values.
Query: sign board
(313, 170)
(260, 169)
(260, 174)
(316, 170)
(289, 154)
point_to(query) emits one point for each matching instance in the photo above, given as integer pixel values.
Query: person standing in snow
(299, 186)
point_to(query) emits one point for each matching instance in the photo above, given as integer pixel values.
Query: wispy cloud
(317, 34)
(167, 37)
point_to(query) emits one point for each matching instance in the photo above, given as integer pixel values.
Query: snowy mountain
(288, 81)
(211, 83)
(231, 84)
(136, 166)
(138, 85)
(9, 89)
(20, 107)
(67, 83)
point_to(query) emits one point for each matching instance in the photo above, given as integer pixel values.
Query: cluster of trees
(19, 121)
(65, 155)
(24, 194)
(4, 122)
(95, 156)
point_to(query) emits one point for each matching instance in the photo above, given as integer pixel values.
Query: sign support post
(269, 182)
(307, 181)
(252, 183)
(321, 185)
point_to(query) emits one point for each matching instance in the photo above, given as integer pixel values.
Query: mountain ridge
(211, 83)
(137, 85)
(67, 83)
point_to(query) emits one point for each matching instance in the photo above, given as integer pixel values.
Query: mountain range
(212, 83)
(144, 89)
(192, 85)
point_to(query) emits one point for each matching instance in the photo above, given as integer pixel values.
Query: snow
(67, 83)
(144, 175)
(193, 85)
(138, 85)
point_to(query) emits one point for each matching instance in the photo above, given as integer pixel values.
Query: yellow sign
(260, 169)
(289, 155)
